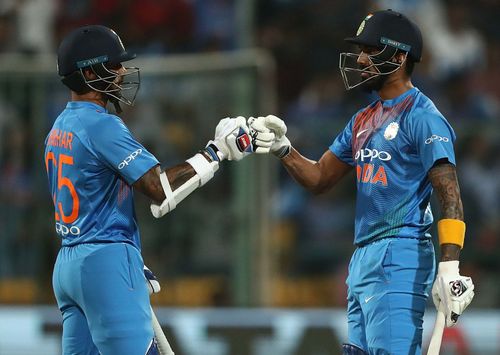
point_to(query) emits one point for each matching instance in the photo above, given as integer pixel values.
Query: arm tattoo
(444, 180)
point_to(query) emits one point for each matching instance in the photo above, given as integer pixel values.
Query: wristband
(283, 151)
(451, 231)
(213, 152)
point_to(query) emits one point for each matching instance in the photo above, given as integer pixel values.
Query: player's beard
(375, 83)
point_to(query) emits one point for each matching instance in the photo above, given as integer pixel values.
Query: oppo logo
(371, 154)
(128, 159)
(63, 230)
(436, 138)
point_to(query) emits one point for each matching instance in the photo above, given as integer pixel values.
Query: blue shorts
(102, 295)
(388, 285)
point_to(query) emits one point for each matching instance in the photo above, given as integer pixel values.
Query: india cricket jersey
(92, 160)
(392, 144)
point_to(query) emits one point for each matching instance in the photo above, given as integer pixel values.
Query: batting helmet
(390, 28)
(389, 31)
(97, 48)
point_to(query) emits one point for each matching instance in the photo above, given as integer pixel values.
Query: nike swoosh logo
(367, 299)
(361, 132)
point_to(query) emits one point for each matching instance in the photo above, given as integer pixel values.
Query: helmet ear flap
(76, 82)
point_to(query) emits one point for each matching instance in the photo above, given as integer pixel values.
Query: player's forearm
(150, 183)
(305, 171)
(444, 181)
(450, 252)
(179, 174)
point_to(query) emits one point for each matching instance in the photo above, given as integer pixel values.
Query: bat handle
(161, 339)
(437, 334)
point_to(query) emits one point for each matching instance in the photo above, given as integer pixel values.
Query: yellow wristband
(451, 231)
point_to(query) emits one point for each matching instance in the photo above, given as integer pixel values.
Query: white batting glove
(262, 137)
(232, 139)
(451, 292)
(281, 146)
(151, 281)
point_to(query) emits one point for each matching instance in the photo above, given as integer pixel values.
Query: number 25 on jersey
(63, 182)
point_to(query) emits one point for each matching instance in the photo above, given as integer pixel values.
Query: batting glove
(151, 281)
(451, 292)
(262, 137)
(232, 139)
(261, 126)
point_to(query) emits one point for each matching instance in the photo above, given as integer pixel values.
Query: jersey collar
(72, 105)
(398, 99)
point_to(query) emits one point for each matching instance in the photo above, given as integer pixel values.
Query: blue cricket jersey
(92, 160)
(392, 144)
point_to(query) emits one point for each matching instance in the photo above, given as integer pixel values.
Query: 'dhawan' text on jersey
(60, 138)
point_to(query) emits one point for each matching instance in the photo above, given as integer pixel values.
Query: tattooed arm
(444, 180)
(451, 292)
(150, 185)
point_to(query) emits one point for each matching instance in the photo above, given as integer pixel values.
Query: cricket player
(94, 164)
(401, 148)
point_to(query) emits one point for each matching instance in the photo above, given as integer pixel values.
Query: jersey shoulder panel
(115, 146)
(423, 104)
(100, 130)
(425, 115)
(430, 133)
(102, 123)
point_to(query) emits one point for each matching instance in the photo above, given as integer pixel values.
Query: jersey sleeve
(342, 145)
(433, 137)
(116, 147)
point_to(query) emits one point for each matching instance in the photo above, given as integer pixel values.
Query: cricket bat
(437, 334)
(160, 337)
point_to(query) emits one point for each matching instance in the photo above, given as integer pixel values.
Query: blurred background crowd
(310, 236)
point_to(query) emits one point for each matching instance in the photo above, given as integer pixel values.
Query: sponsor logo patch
(372, 154)
(457, 288)
(436, 138)
(128, 159)
(64, 230)
(243, 141)
(361, 132)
